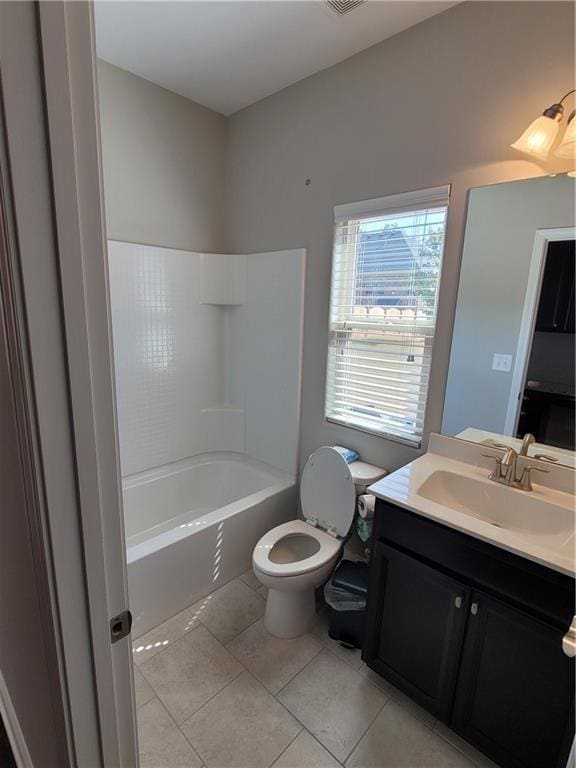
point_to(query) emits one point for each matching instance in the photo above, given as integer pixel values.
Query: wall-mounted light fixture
(538, 139)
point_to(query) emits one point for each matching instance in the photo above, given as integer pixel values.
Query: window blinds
(386, 268)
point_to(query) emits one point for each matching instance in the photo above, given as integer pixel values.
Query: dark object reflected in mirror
(512, 360)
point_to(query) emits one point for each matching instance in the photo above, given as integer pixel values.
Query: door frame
(50, 105)
(528, 323)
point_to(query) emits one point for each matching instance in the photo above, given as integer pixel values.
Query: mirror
(512, 358)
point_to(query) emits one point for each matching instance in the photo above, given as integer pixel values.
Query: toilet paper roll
(366, 503)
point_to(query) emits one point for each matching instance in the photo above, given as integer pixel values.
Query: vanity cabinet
(474, 635)
(421, 622)
(517, 685)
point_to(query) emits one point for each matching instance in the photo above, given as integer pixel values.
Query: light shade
(538, 138)
(567, 147)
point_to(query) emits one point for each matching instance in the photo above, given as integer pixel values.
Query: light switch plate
(502, 362)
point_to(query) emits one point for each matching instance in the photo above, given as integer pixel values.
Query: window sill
(415, 444)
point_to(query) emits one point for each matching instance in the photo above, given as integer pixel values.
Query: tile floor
(215, 690)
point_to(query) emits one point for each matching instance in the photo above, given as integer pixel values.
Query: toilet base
(290, 614)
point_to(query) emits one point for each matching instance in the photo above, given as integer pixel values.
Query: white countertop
(401, 487)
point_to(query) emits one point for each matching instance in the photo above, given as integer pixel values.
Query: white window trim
(400, 203)
(405, 201)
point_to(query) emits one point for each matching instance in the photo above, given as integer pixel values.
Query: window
(385, 275)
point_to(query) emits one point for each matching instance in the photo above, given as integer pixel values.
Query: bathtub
(191, 526)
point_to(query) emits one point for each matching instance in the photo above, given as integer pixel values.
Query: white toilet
(296, 557)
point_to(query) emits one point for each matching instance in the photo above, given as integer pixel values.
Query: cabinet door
(515, 697)
(416, 619)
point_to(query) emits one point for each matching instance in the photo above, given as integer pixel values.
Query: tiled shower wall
(168, 353)
(193, 377)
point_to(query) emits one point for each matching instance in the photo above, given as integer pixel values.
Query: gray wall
(502, 222)
(438, 103)
(164, 164)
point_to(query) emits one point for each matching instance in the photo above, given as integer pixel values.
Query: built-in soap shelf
(223, 426)
(223, 279)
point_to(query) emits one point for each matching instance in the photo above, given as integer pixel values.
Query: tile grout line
(365, 731)
(322, 646)
(306, 728)
(224, 644)
(370, 724)
(194, 617)
(168, 647)
(188, 632)
(192, 747)
(179, 726)
(213, 696)
(326, 748)
(458, 749)
(285, 748)
(242, 670)
(262, 683)
(161, 650)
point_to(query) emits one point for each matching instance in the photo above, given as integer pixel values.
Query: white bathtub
(191, 526)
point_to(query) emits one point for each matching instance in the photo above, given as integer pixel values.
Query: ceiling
(227, 55)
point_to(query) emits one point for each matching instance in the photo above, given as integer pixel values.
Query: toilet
(295, 558)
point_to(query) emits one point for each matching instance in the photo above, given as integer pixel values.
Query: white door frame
(522, 357)
(70, 80)
(52, 135)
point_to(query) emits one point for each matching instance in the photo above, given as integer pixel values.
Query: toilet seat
(329, 548)
(327, 492)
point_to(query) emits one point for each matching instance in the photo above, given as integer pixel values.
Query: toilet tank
(365, 474)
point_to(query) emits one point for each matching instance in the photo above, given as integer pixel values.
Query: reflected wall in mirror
(512, 359)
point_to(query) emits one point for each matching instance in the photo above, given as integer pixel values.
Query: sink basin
(515, 510)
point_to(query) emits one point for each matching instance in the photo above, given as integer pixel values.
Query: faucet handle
(510, 453)
(525, 482)
(545, 457)
(496, 473)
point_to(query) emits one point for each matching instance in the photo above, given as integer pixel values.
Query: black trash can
(345, 595)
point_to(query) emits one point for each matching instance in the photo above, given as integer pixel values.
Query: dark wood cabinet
(516, 686)
(422, 619)
(473, 634)
(556, 304)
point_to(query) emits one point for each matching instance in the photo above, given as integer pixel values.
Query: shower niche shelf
(223, 279)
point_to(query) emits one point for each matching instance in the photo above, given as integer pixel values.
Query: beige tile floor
(214, 689)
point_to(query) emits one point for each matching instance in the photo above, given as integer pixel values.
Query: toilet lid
(327, 491)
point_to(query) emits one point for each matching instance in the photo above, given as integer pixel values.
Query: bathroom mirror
(512, 358)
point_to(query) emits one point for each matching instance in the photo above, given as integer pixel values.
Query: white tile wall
(168, 353)
(194, 377)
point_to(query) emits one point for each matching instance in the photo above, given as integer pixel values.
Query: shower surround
(207, 352)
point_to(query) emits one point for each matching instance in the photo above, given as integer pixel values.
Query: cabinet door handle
(569, 640)
(474, 609)
(459, 602)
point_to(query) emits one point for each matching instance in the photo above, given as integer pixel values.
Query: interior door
(49, 111)
(416, 627)
(515, 695)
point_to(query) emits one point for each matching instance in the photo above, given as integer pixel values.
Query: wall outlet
(502, 362)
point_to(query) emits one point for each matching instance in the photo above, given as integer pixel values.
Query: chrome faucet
(506, 470)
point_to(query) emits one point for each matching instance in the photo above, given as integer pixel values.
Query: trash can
(345, 595)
